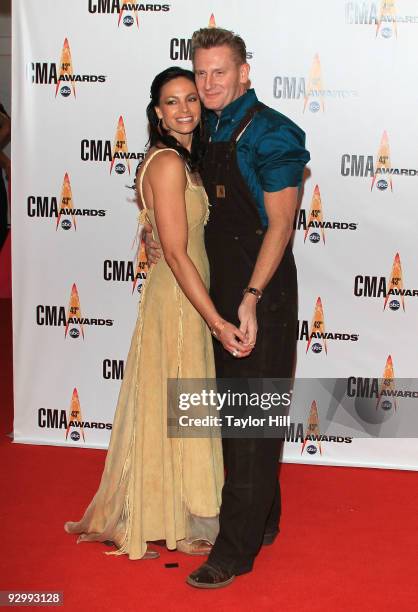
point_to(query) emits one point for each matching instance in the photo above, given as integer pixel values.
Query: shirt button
(236, 237)
(259, 232)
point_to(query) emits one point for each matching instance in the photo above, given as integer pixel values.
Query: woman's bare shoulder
(166, 162)
(161, 159)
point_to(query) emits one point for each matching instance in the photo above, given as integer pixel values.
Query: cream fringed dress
(154, 487)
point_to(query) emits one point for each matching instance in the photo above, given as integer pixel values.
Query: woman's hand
(232, 339)
(248, 319)
(152, 247)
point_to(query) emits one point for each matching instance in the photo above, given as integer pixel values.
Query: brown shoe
(210, 577)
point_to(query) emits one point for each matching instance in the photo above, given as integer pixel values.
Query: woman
(154, 487)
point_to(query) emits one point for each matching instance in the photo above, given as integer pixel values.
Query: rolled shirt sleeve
(280, 157)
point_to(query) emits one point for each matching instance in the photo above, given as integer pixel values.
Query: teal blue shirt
(271, 152)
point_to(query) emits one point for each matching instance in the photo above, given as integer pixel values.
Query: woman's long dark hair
(158, 135)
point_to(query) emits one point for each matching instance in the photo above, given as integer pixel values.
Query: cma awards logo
(313, 434)
(62, 75)
(314, 224)
(383, 17)
(312, 439)
(74, 418)
(131, 272)
(134, 272)
(316, 336)
(72, 422)
(127, 13)
(384, 391)
(61, 209)
(117, 154)
(311, 90)
(181, 48)
(382, 400)
(71, 319)
(379, 170)
(392, 290)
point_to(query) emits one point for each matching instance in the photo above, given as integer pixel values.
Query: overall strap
(238, 132)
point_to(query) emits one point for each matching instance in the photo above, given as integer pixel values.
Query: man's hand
(248, 319)
(233, 340)
(152, 247)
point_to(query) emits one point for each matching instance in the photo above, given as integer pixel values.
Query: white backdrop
(344, 71)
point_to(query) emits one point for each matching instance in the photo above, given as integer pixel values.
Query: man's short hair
(207, 38)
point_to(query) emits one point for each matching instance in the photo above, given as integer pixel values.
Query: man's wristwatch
(258, 294)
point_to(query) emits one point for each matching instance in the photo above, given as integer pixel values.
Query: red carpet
(349, 537)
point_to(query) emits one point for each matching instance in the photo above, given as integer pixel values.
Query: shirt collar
(235, 111)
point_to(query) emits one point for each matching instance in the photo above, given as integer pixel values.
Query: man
(252, 172)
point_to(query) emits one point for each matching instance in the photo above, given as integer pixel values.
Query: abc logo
(382, 184)
(128, 20)
(75, 436)
(386, 405)
(120, 168)
(316, 348)
(139, 288)
(386, 32)
(65, 91)
(311, 449)
(66, 224)
(74, 333)
(314, 237)
(314, 107)
(394, 305)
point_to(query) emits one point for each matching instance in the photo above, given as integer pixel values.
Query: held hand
(152, 248)
(232, 339)
(248, 319)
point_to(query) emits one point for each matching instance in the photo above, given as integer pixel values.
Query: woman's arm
(166, 176)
